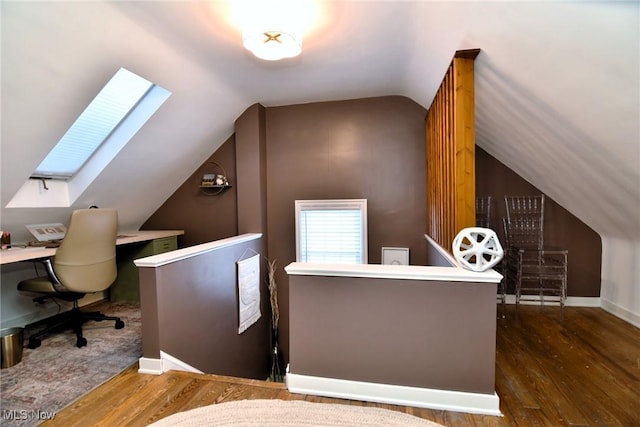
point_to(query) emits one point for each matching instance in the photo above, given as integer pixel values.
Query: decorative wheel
(34, 343)
(477, 248)
(119, 324)
(81, 342)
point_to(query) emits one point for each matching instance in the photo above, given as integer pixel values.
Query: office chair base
(74, 319)
(34, 343)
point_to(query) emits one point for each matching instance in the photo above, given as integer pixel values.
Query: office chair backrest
(86, 259)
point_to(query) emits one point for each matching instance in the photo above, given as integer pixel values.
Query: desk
(18, 310)
(30, 253)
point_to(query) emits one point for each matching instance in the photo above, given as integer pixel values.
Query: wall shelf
(214, 189)
(214, 182)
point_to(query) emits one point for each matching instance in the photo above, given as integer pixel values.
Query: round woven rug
(290, 413)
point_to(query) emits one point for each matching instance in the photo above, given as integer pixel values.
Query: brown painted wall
(202, 215)
(190, 311)
(562, 229)
(251, 170)
(368, 148)
(438, 335)
(361, 149)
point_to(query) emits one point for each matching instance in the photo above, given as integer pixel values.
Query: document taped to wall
(248, 292)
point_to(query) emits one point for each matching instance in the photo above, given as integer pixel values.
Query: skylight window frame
(124, 92)
(41, 193)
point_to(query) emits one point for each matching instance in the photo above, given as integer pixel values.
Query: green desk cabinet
(127, 285)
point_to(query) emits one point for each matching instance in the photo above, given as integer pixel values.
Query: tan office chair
(84, 263)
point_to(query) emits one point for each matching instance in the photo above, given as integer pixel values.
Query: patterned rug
(55, 374)
(290, 413)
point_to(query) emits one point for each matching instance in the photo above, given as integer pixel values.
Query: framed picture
(395, 256)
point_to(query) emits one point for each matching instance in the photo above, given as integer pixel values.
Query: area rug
(55, 374)
(290, 413)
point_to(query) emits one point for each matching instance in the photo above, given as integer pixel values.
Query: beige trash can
(12, 342)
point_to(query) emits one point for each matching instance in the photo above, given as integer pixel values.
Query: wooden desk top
(18, 254)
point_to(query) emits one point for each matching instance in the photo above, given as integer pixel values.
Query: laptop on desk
(47, 235)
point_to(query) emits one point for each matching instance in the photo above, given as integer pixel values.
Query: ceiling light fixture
(273, 45)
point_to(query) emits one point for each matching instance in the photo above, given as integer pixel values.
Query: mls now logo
(17, 415)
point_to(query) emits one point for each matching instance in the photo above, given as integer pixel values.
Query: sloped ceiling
(557, 94)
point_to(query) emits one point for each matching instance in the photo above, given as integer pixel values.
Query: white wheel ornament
(477, 248)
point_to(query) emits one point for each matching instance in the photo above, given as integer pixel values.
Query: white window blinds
(119, 96)
(331, 231)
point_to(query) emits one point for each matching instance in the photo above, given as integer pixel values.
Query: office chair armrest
(48, 266)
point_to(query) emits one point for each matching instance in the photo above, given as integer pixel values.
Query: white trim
(333, 204)
(170, 363)
(596, 302)
(448, 400)
(620, 312)
(192, 251)
(583, 302)
(569, 302)
(150, 366)
(166, 363)
(381, 271)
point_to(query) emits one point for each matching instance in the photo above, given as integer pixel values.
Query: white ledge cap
(383, 271)
(192, 251)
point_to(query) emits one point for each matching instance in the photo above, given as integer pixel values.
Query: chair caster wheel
(119, 324)
(82, 341)
(34, 343)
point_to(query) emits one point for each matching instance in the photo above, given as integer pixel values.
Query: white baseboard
(166, 363)
(150, 366)
(616, 310)
(569, 302)
(170, 363)
(621, 312)
(583, 302)
(448, 400)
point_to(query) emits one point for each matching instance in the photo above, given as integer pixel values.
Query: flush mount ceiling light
(273, 29)
(273, 45)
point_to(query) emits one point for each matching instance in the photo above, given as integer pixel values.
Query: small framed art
(395, 256)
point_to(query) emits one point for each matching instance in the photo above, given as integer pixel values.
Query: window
(114, 102)
(109, 123)
(331, 231)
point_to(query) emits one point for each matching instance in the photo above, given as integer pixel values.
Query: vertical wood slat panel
(450, 149)
(465, 143)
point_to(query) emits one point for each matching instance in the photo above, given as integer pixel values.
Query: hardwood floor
(583, 370)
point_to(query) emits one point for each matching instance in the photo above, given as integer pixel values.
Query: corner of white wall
(620, 291)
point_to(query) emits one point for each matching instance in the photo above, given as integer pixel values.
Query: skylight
(109, 108)
(108, 124)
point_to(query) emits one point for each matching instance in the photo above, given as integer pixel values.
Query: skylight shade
(120, 95)
(334, 234)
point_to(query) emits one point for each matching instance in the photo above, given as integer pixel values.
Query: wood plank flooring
(583, 370)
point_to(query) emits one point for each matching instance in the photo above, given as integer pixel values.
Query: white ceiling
(557, 95)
